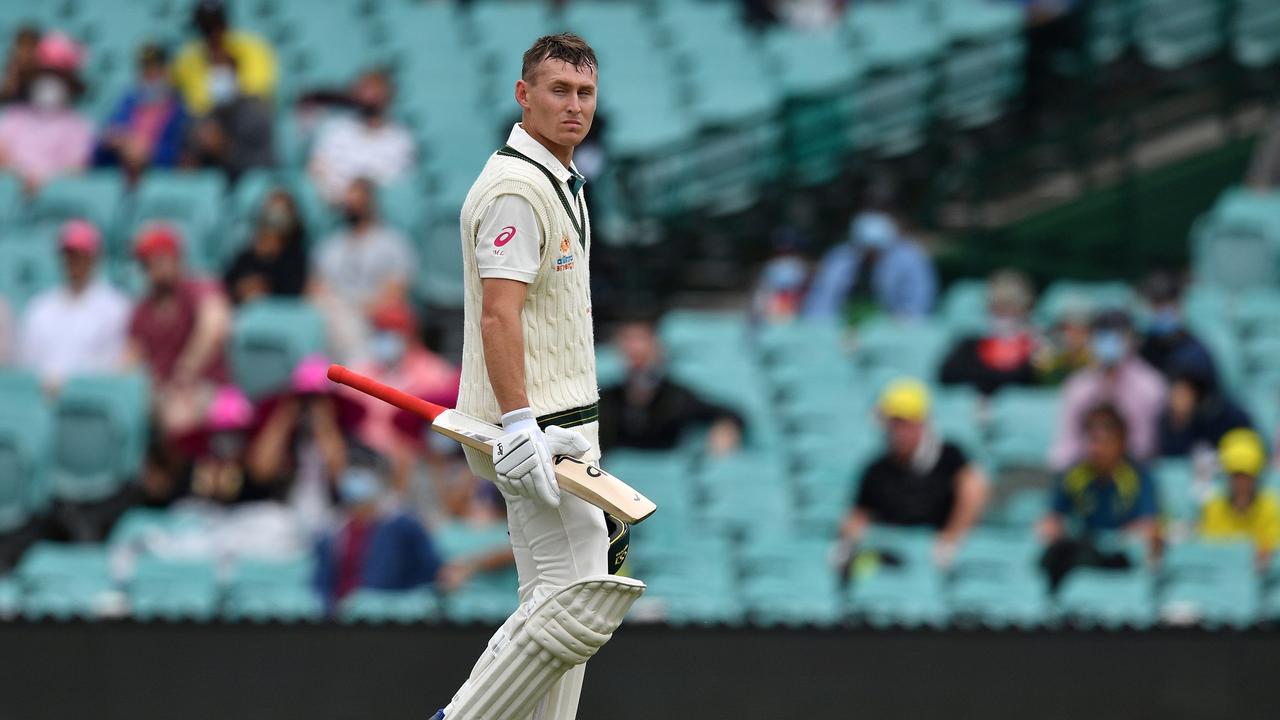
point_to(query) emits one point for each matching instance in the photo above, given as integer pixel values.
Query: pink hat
(230, 410)
(311, 375)
(57, 51)
(81, 236)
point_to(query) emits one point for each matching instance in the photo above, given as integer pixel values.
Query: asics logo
(505, 236)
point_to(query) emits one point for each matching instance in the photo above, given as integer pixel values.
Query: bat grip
(385, 393)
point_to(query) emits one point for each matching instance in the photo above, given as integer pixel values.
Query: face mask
(353, 216)
(226, 445)
(152, 92)
(48, 93)
(1108, 347)
(1005, 326)
(358, 486)
(387, 348)
(369, 110)
(222, 84)
(1164, 322)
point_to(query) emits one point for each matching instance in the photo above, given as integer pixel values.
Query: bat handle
(385, 393)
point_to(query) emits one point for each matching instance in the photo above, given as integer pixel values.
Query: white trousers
(553, 547)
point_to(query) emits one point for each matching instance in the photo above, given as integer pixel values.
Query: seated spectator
(779, 293)
(177, 331)
(360, 268)
(372, 146)
(148, 126)
(398, 358)
(275, 263)
(1118, 377)
(375, 545)
(219, 448)
(1243, 510)
(43, 137)
(920, 480)
(1065, 349)
(81, 326)
(1104, 491)
(20, 66)
(236, 135)
(649, 410)
(223, 63)
(878, 266)
(1198, 412)
(1004, 355)
(1167, 335)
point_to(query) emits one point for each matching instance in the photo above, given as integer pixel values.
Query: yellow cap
(905, 399)
(1241, 451)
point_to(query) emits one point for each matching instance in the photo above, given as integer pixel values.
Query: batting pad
(562, 632)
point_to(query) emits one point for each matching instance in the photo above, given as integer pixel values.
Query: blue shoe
(439, 715)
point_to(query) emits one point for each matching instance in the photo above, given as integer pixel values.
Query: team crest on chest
(565, 261)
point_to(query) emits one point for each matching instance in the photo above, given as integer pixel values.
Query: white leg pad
(562, 632)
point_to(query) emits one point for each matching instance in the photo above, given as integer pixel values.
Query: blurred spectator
(148, 126)
(1167, 335)
(7, 348)
(892, 272)
(223, 63)
(275, 263)
(303, 438)
(178, 330)
(20, 66)
(81, 326)
(1243, 510)
(220, 449)
(375, 546)
(1066, 347)
(1118, 377)
(398, 358)
(43, 136)
(920, 480)
(1104, 491)
(649, 410)
(1003, 356)
(1198, 412)
(237, 135)
(371, 146)
(779, 293)
(360, 268)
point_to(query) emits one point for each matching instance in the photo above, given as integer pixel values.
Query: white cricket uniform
(514, 225)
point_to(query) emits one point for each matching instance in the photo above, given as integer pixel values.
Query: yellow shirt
(255, 70)
(1259, 523)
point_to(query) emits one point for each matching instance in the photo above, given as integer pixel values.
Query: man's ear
(522, 93)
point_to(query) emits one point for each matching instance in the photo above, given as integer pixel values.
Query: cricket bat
(574, 476)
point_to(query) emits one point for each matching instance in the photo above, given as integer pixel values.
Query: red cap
(56, 51)
(157, 239)
(396, 316)
(81, 236)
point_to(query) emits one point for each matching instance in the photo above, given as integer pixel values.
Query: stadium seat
(458, 539)
(1109, 24)
(999, 600)
(1255, 33)
(10, 597)
(66, 581)
(24, 453)
(95, 196)
(27, 268)
(899, 47)
(100, 431)
(11, 201)
(190, 200)
(964, 308)
(439, 281)
(981, 69)
(1069, 296)
(1180, 499)
(1022, 426)
(268, 340)
(905, 349)
(1171, 34)
(163, 589)
(482, 604)
(1107, 598)
(273, 604)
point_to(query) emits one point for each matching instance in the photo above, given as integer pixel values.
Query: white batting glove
(522, 459)
(566, 442)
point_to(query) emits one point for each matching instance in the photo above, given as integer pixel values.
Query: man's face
(904, 436)
(372, 91)
(357, 201)
(78, 267)
(163, 270)
(1104, 445)
(559, 102)
(639, 345)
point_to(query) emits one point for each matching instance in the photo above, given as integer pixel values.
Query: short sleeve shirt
(357, 267)
(509, 241)
(897, 494)
(1105, 502)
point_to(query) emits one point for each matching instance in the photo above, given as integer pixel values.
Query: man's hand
(523, 458)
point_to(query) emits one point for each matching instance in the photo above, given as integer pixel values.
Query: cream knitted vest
(559, 345)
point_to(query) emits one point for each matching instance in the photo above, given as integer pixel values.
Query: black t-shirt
(895, 494)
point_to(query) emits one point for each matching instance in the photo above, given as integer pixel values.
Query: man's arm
(972, 491)
(213, 322)
(503, 336)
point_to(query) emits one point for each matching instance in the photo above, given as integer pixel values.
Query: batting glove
(522, 460)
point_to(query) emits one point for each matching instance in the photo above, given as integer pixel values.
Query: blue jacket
(168, 148)
(400, 556)
(903, 282)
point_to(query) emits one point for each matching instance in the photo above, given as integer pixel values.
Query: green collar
(575, 185)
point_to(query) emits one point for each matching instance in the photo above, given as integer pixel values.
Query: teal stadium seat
(28, 266)
(163, 589)
(905, 349)
(383, 606)
(11, 201)
(1255, 33)
(264, 590)
(66, 581)
(1212, 583)
(1235, 245)
(95, 196)
(99, 436)
(1172, 34)
(1108, 598)
(964, 308)
(439, 279)
(982, 66)
(1109, 24)
(24, 450)
(994, 580)
(269, 338)
(1022, 425)
(191, 200)
(899, 47)
(1069, 296)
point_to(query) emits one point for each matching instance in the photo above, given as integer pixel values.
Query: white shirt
(347, 149)
(357, 267)
(509, 244)
(64, 334)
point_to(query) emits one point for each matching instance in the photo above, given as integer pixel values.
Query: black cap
(1112, 319)
(1161, 287)
(210, 15)
(152, 54)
